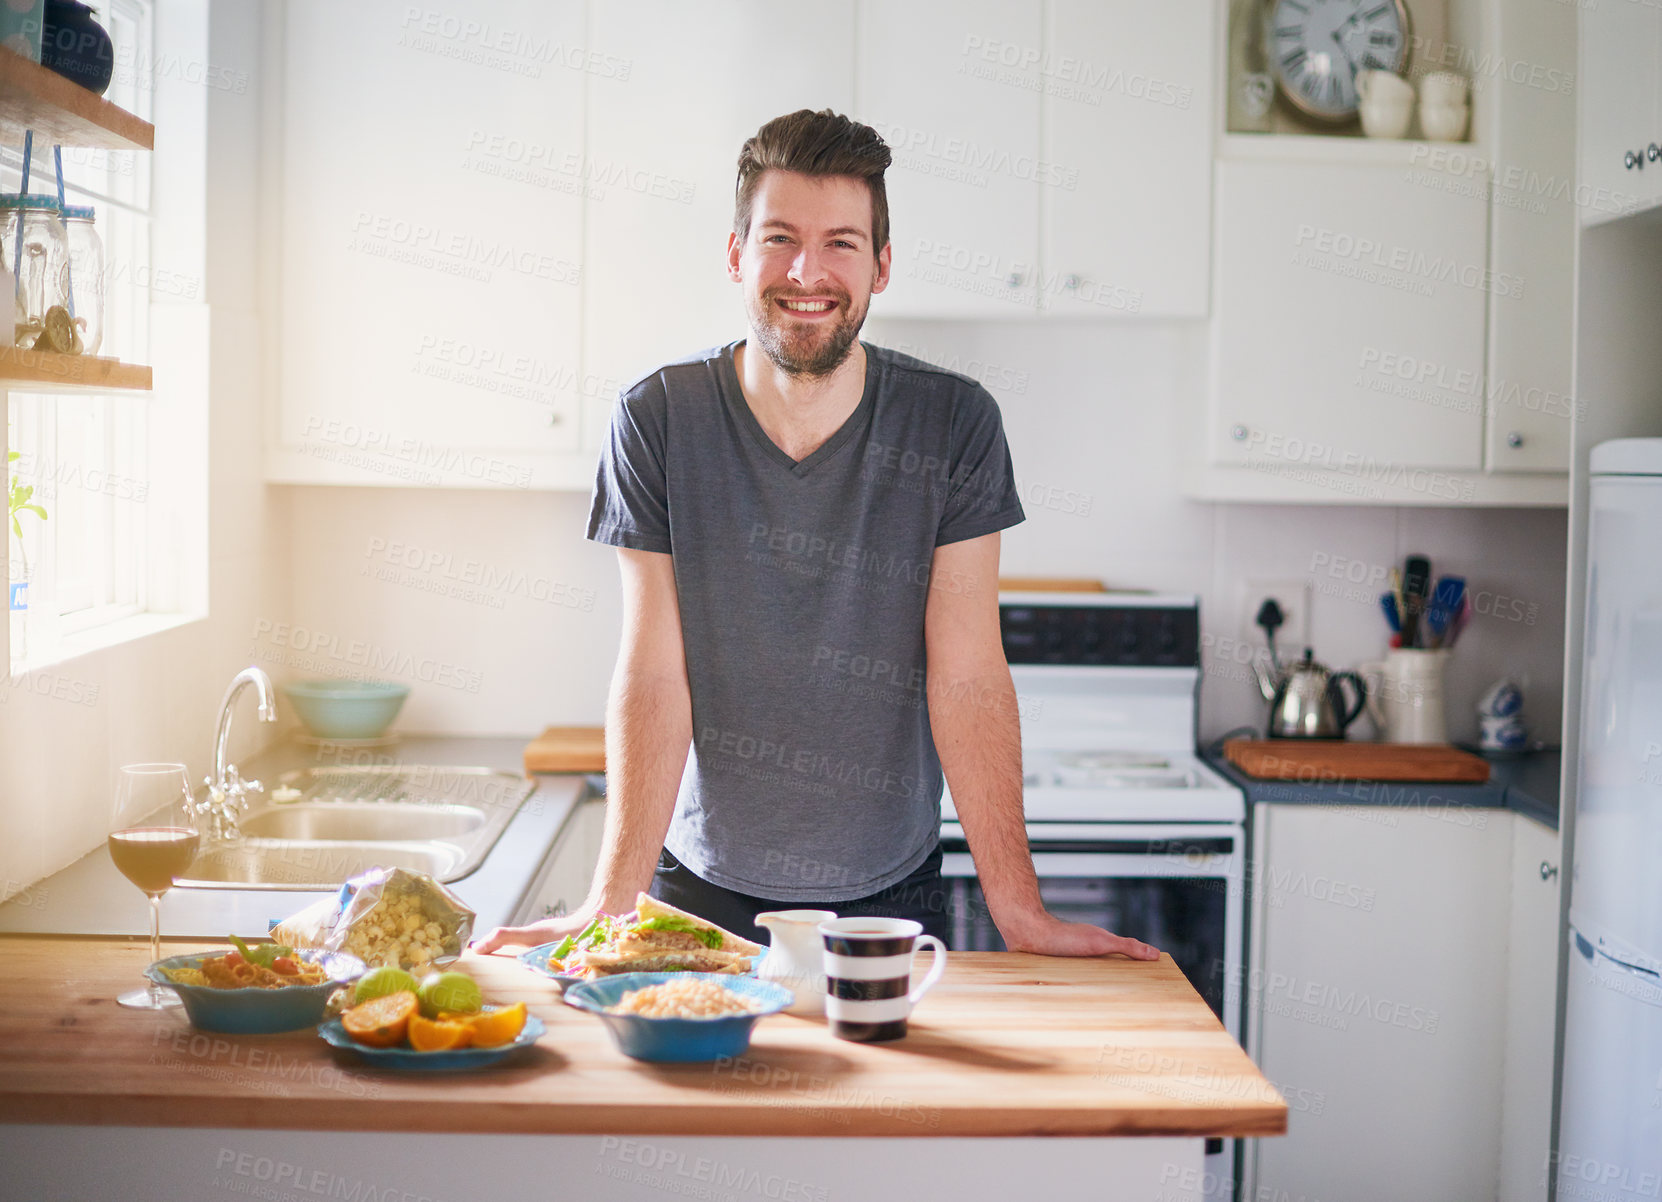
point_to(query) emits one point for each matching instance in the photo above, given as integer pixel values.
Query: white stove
(1128, 828)
(1107, 684)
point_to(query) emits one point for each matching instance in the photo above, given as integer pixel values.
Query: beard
(802, 348)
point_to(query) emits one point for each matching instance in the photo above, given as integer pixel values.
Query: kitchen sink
(385, 820)
(315, 863)
(316, 827)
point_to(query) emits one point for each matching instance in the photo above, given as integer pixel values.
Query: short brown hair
(822, 143)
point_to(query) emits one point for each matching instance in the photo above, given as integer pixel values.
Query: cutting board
(1320, 760)
(567, 749)
(1049, 584)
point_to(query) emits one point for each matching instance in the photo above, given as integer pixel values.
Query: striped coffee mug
(868, 974)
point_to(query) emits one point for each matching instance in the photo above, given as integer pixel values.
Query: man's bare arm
(977, 727)
(648, 733)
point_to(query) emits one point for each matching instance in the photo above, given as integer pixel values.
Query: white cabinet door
(430, 269)
(1376, 998)
(1127, 90)
(964, 186)
(662, 157)
(1618, 107)
(1531, 1008)
(568, 869)
(1534, 227)
(1348, 326)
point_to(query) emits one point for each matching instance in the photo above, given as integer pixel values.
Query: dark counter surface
(1528, 785)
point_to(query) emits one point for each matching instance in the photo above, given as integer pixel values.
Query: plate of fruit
(441, 1022)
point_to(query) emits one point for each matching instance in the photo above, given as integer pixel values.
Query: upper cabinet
(430, 217)
(1127, 118)
(1335, 284)
(1049, 158)
(662, 148)
(491, 223)
(1620, 125)
(1532, 232)
(1391, 319)
(964, 185)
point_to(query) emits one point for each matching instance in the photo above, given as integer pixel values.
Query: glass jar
(83, 285)
(36, 258)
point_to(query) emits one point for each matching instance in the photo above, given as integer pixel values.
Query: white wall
(1094, 418)
(65, 729)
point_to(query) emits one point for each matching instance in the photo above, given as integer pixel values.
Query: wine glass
(153, 840)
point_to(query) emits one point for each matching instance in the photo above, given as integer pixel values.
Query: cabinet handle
(1548, 871)
(1631, 160)
(1238, 432)
(1514, 439)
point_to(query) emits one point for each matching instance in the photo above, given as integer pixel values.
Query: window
(85, 454)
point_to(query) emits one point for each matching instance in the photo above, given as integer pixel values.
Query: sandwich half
(663, 938)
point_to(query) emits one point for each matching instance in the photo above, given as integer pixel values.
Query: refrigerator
(1610, 1124)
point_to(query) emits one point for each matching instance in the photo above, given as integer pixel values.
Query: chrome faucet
(227, 794)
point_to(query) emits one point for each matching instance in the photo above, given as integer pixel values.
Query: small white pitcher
(795, 958)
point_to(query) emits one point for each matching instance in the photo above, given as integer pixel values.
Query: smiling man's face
(807, 268)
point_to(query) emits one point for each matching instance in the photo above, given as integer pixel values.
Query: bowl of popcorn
(679, 1017)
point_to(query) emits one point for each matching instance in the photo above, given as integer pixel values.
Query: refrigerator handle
(1639, 984)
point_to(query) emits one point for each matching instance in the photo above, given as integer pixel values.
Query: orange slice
(494, 1028)
(381, 1022)
(433, 1035)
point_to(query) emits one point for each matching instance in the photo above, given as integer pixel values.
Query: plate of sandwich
(656, 937)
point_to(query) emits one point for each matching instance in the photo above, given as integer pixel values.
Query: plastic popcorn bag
(385, 916)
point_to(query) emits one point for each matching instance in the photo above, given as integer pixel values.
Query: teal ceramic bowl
(346, 709)
(677, 1040)
(255, 1011)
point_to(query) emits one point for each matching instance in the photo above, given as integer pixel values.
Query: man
(808, 533)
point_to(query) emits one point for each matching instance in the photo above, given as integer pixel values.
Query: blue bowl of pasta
(256, 1003)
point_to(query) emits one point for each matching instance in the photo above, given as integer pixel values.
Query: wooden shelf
(61, 112)
(40, 371)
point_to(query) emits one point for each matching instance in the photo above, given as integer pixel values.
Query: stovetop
(1121, 786)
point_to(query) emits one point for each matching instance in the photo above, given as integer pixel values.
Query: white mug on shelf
(1443, 122)
(1443, 89)
(1385, 103)
(1406, 703)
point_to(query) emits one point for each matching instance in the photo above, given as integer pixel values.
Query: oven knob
(1168, 639)
(1128, 638)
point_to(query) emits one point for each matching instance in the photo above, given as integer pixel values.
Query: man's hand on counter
(1048, 935)
(549, 930)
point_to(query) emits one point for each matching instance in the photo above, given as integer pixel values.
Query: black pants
(921, 896)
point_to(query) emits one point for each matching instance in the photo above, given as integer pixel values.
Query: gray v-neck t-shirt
(802, 587)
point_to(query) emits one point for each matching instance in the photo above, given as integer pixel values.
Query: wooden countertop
(1006, 1044)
